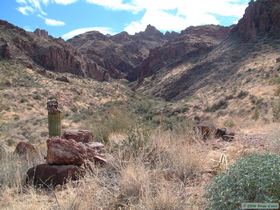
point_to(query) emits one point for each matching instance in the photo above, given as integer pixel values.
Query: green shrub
(137, 138)
(242, 94)
(116, 122)
(256, 114)
(276, 111)
(253, 178)
(229, 123)
(221, 104)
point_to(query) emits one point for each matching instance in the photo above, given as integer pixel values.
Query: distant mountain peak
(150, 31)
(41, 33)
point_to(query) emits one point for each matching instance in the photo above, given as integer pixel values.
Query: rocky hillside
(191, 44)
(39, 49)
(121, 53)
(237, 77)
(125, 55)
(254, 36)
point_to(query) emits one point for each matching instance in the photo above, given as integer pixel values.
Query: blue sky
(67, 18)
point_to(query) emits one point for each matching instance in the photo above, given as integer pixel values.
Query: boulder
(69, 152)
(220, 132)
(65, 152)
(63, 79)
(26, 149)
(83, 136)
(45, 175)
(223, 134)
(95, 145)
(204, 130)
(228, 136)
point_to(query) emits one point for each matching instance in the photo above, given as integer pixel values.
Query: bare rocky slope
(39, 49)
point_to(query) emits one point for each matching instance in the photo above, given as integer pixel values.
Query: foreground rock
(68, 151)
(83, 136)
(65, 152)
(46, 175)
(66, 160)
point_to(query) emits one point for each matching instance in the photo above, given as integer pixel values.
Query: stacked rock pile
(68, 158)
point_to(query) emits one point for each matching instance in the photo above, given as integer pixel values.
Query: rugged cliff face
(261, 18)
(189, 44)
(40, 49)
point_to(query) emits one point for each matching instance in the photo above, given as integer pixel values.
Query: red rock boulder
(69, 152)
(45, 175)
(65, 152)
(83, 136)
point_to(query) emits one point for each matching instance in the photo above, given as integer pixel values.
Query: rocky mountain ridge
(124, 55)
(41, 50)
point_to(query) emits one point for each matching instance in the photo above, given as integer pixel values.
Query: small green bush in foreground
(252, 179)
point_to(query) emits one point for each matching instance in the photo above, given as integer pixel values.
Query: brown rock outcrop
(65, 152)
(45, 175)
(83, 136)
(188, 45)
(26, 150)
(68, 151)
(43, 50)
(261, 17)
(41, 33)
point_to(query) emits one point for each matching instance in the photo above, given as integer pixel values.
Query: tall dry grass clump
(12, 169)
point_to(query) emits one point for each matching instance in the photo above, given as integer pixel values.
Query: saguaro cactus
(54, 117)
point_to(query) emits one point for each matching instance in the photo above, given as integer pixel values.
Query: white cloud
(115, 5)
(21, 1)
(168, 22)
(165, 15)
(28, 28)
(64, 2)
(31, 6)
(184, 12)
(103, 30)
(52, 22)
(26, 10)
